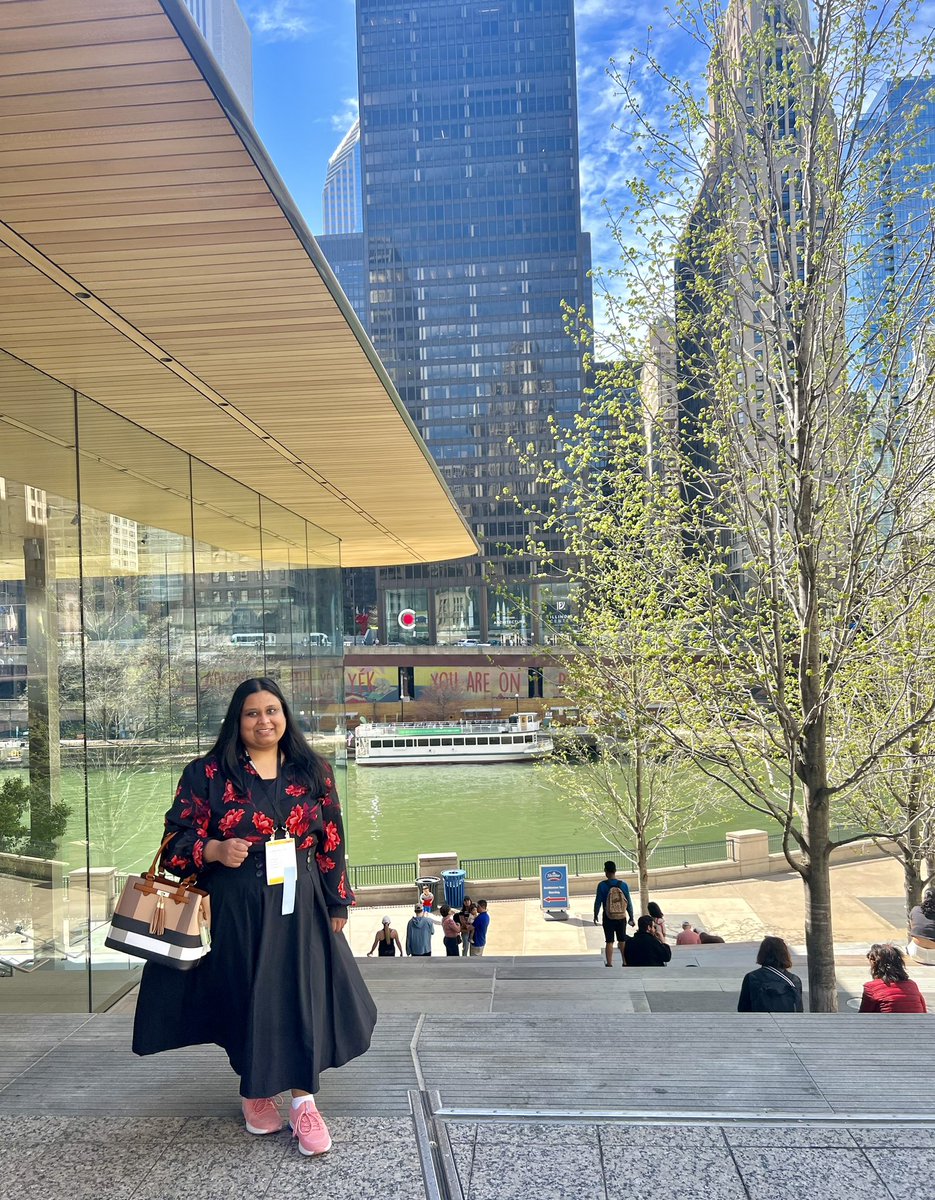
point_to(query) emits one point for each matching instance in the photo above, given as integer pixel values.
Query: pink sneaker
(262, 1116)
(308, 1125)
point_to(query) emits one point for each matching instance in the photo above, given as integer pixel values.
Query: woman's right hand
(231, 852)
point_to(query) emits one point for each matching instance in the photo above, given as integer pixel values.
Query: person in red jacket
(890, 989)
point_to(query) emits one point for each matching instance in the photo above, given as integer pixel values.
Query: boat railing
(439, 728)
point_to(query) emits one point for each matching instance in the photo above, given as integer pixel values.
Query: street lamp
(402, 701)
(516, 701)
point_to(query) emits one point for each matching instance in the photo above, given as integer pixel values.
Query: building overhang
(152, 260)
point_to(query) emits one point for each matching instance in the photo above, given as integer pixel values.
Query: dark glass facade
(345, 255)
(473, 242)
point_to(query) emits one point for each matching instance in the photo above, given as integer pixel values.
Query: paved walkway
(867, 907)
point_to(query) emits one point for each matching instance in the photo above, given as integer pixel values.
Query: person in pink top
(890, 990)
(687, 936)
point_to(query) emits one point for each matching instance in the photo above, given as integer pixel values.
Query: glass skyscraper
(891, 255)
(341, 197)
(473, 241)
(342, 238)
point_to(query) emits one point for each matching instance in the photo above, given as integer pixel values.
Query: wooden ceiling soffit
(156, 263)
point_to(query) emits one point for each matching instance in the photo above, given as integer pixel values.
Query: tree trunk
(642, 864)
(913, 883)
(819, 936)
(642, 850)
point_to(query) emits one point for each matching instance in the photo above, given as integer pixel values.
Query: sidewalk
(867, 907)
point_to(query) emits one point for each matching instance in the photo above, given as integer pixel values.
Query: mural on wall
(553, 683)
(474, 683)
(371, 685)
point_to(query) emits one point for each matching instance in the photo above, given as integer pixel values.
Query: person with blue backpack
(613, 896)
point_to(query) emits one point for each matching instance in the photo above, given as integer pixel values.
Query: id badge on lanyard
(281, 865)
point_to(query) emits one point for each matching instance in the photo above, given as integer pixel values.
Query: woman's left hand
(338, 923)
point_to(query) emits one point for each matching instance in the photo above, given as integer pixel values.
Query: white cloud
(281, 20)
(342, 120)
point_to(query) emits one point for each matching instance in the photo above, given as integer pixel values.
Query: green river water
(392, 814)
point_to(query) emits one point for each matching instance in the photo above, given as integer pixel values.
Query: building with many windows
(890, 293)
(473, 244)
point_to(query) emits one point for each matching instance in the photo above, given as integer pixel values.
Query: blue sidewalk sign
(553, 887)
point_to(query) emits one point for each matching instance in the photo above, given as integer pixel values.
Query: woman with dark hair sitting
(772, 988)
(890, 990)
(922, 931)
(659, 918)
(257, 822)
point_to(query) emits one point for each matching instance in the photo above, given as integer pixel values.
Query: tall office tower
(342, 238)
(891, 258)
(341, 196)
(224, 28)
(472, 227)
(741, 263)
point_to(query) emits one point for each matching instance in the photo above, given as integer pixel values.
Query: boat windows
(447, 742)
(470, 741)
(482, 741)
(434, 742)
(422, 741)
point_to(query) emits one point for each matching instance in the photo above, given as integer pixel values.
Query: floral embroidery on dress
(263, 824)
(229, 821)
(299, 820)
(208, 805)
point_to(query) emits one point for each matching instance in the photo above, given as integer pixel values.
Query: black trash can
(454, 887)
(434, 884)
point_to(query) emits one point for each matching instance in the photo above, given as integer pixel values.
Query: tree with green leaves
(800, 404)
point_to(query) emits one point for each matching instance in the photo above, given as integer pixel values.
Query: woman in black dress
(280, 990)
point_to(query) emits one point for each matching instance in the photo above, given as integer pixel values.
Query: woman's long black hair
(229, 749)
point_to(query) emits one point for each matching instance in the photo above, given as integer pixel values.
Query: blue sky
(305, 89)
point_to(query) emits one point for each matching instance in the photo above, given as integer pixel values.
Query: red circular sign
(407, 619)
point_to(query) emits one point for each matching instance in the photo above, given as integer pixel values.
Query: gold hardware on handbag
(162, 920)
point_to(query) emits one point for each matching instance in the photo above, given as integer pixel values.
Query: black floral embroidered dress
(282, 994)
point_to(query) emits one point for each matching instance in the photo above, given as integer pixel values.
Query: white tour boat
(516, 739)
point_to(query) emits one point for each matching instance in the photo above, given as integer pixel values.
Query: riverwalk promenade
(867, 907)
(519, 1074)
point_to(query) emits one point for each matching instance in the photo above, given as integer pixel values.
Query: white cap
(387, 921)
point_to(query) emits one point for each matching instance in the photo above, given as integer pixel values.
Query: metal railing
(382, 874)
(526, 866)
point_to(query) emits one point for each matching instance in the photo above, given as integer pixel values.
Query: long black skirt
(281, 994)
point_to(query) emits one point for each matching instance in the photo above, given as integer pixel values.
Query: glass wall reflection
(126, 620)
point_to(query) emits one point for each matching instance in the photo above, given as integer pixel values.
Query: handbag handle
(165, 842)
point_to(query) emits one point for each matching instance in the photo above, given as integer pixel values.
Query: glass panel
(43, 829)
(232, 639)
(138, 657)
(457, 615)
(509, 622)
(406, 600)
